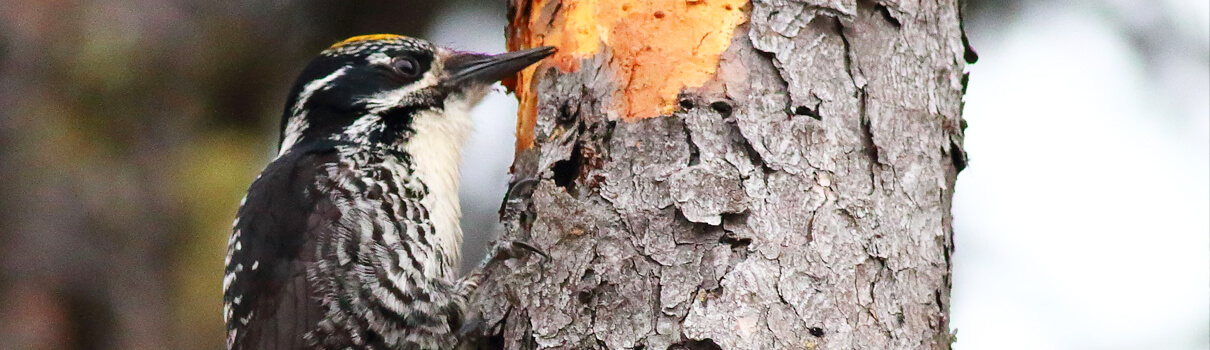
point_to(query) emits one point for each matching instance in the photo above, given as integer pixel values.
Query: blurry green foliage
(128, 133)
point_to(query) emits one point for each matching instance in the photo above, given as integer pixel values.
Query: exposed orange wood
(657, 48)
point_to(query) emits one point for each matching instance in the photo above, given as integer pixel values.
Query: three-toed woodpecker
(350, 237)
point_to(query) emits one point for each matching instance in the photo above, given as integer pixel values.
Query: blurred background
(131, 128)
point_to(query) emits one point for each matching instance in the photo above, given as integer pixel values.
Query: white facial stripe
(387, 99)
(361, 128)
(314, 86)
(294, 129)
(298, 121)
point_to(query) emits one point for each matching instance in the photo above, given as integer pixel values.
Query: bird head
(372, 89)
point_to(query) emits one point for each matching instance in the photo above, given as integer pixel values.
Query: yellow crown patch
(369, 37)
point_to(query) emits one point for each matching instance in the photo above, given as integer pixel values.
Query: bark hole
(695, 154)
(723, 108)
(736, 243)
(589, 285)
(567, 115)
(566, 171)
(816, 332)
(692, 344)
(686, 104)
(808, 111)
(495, 341)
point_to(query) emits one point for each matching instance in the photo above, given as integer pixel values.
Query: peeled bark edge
(800, 199)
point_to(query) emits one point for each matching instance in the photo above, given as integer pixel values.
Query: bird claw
(531, 248)
(521, 189)
(501, 251)
(515, 249)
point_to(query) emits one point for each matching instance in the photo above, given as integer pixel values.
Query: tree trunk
(722, 174)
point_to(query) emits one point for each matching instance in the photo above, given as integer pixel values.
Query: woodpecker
(349, 238)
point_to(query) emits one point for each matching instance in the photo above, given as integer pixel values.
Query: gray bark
(801, 200)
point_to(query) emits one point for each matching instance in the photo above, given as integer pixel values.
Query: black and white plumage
(350, 237)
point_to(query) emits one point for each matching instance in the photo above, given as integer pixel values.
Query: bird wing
(268, 303)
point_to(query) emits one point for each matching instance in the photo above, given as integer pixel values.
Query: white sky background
(1083, 220)
(489, 153)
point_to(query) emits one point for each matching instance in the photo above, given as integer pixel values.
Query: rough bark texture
(799, 199)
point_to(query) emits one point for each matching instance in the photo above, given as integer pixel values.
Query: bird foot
(512, 249)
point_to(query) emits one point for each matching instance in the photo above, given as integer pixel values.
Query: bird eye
(406, 66)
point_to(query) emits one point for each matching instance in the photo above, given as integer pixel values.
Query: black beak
(464, 68)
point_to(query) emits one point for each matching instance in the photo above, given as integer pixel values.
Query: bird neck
(430, 150)
(436, 151)
(430, 140)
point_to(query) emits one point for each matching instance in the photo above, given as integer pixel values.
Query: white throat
(436, 150)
